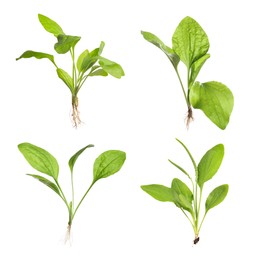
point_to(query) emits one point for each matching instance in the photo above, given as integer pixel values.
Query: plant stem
(202, 221)
(193, 226)
(62, 195)
(182, 86)
(72, 190)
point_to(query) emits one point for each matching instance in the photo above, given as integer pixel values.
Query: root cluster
(189, 117)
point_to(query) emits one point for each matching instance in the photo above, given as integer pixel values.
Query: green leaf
(167, 50)
(181, 188)
(101, 47)
(196, 67)
(99, 72)
(46, 182)
(215, 100)
(65, 43)
(189, 41)
(112, 68)
(81, 57)
(216, 196)
(40, 159)
(180, 168)
(50, 26)
(37, 55)
(108, 163)
(89, 60)
(185, 204)
(66, 78)
(210, 163)
(159, 192)
(74, 158)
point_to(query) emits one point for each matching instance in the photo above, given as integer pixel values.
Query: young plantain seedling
(190, 45)
(106, 164)
(189, 201)
(86, 65)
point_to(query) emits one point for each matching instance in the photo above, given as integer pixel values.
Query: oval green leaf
(46, 182)
(74, 158)
(111, 67)
(108, 163)
(50, 26)
(65, 43)
(215, 100)
(40, 159)
(189, 41)
(216, 196)
(81, 57)
(66, 78)
(159, 192)
(210, 163)
(89, 60)
(182, 189)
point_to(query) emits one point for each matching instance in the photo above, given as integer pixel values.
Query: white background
(141, 114)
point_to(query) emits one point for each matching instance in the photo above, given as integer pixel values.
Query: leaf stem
(193, 226)
(72, 190)
(62, 194)
(182, 86)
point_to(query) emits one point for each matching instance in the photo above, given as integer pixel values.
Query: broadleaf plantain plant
(106, 164)
(189, 200)
(85, 66)
(190, 45)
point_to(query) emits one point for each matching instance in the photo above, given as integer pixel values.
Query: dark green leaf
(46, 182)
(181, 188)
(66, 78)
(81, 57)
(40, 159)
(210, 163)
(37, 55)
(99, 72)
(159, 192)
(74, 158)
(65, 43)
(216, 196)
(189, 41)
(50, 26)
(167, 50)
(215, 100)
(111, 67)
(108, 163)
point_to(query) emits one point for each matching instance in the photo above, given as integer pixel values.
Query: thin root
(189, 117)
(68, 235)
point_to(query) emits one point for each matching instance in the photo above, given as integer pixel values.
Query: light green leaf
(89, 60)
(210, 163)
(66, 78)
(159, 192)
(111, 67)
(185, 204)
(46, 182)
(108, 163)
(216, 196)
(180, 168)
(215, 100)
(81, 57)
(40, 159)
(65, 43)
(74, 158)
(99, 72)
(50, 26)
(101, 47)
(37, 55)
(181, 188)
(167, 50)
(189, 41)
(196, 67)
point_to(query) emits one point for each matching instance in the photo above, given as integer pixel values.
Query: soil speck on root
(196, 240)
(189, 117)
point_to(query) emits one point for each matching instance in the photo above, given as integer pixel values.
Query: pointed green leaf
(40, 159)
(50, 26)
(215, 100)
(210, 163)
(180, 168)
(81, 57)
(74, 158)
(196, 67)
(189, 41)
(89, 60)
(167, 50)
(216, 196)
(112, 68)
(101, 47)
(46, 182)
(65, 43)
(99, 72)
(37, 55)
(159, 192)
(108, 163)
(66, 78)
(181, 188)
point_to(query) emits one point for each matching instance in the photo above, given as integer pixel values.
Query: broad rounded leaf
(50, 26)
(111, 67)
(108, 163)
(159, 192)
(216, 196)
(210, 163)
(74, 158)
(167, 50)
(40, 159)
(66, 78)
(65, 42)
(215, 100)
(181, 188)
(46, 182)
(189, 41)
